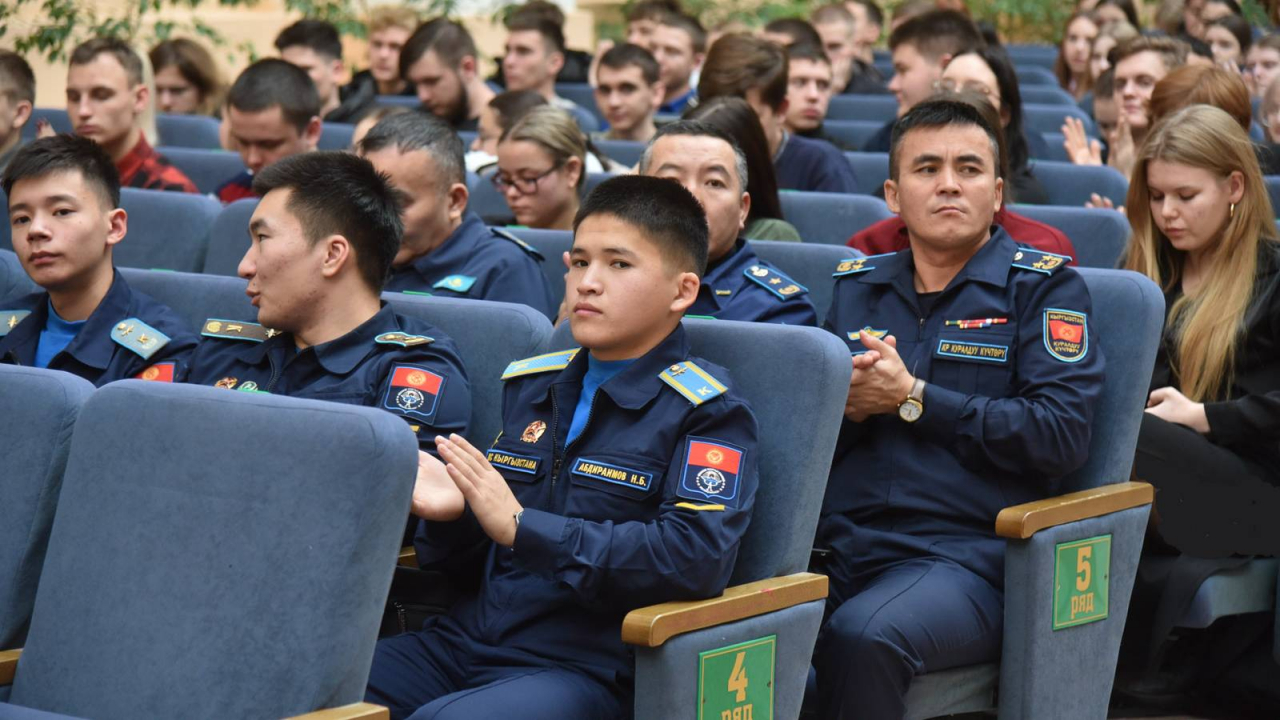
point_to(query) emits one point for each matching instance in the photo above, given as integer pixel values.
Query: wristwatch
(912, 408)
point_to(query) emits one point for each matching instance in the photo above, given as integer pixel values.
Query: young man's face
(947, 191)
(673, 49)
(707, 168)
(384, 53)
(174, 94)
(425, 212)
(62, 233)
(325, 72)
(265, 136)
(639, 32)
(625, 98)
(283, 268)
(440, 88)
(1263, 64)
(913, 76)
(808, 93)
(621, 293)
(1136, 78)
(529, 64)
(102, 103)
(838, 43)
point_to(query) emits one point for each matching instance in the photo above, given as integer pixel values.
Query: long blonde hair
(1207, 328)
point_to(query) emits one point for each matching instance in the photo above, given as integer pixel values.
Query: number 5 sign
(736, 682)
(1081, 579)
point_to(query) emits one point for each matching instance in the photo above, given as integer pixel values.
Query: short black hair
(337, 192)
(270, 82)
(691, 27)
(626, 54)
(937, 114)
(16, 79)
(87, 51)
(874, 13)
(320, 36)
(799, 30)
(697, 128)
(807, 51)
(449, 40)
(410, 131)
(65, 153)
(552, 34)
(937, 33)
(667, 214)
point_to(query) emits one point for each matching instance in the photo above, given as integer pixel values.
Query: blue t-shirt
(599, 372)
(55, 337)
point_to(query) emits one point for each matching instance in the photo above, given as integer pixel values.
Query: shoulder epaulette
(692, 382)
(1039, 260)
(9, 320)
(540, 364)
(403, 339)
(139, 337)
(523, 245)
(456, 283)
(237, 330)
(857, 265)
(774, 281)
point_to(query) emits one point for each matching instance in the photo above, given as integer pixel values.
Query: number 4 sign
(736, 682)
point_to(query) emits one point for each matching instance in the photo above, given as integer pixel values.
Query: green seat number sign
(736, 682)
(1081, 578)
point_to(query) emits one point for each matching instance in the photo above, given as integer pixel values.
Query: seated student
(1270, 114)
(1207, 85)
(1262, 63)
(577, 64)
(922, 46)
(440, 62)
(534, 56)
(1118, 11)
(735, 118)
(496, 118)
(868, 20)
(1230, 39)
(809, 88)
(17, 98)
(323, 238)
(314, 46)
(737, 285)
(756, 69)
(106, 101)
(1109, 36)
(643, 18)
(273, 112)
(785, 32)
(562, 537)
(1072, 65)
(628, 92)
(541, 161)
(446, 249)
(368, 122)
(679, 44)
(837, 30)
(938, 436)
(389, 28)
(64, 207)
(187, 78)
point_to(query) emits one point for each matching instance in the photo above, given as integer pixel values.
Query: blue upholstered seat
(229, 238)
(831, 218)
(1072, 185)
(207, 168)
(188, 131)
(1099, 236)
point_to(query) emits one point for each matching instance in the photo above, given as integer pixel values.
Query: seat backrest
(552, 244)
(1049, 118)
(853, 133)
(1127, 321)
(831, 218)
(1037, 55)
(1273, 191)
(208, 169)
(195, 297)
(793, 458)
(1099, 236)
(335, 136)
(1035, 75)
(1045, 95)
(879, 108)
(871, 169)
(214, 539)
(57, 118)
(404, 101)
(229, 238)
(1052, 149)
(189, 131)
(627, 152)
(38, 410)
(489, 336)
(582, 95)
(810, 264)
(1072, 185)
(13, 279)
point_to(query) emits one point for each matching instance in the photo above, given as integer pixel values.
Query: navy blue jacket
(1007, 408)
(384, 363)
(647, 505)
(123, 337)
(815, 165)
(741, 286)
(479, 262)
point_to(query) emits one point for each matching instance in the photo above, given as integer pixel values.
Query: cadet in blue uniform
(322, 239)
(64, 198)
(974, 385)
(738, 285)
(624, 476)
(447, 250)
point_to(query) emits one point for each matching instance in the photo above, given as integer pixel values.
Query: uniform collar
(455, 250)
(639, 383)
(340, 355)
(93, 346)
(989, 265)
(740, 254)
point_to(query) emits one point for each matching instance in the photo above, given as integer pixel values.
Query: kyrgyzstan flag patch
(712, 469)
(1066, 334)
(413, 391)
(159, 372)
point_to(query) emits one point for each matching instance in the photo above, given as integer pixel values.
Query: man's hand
(880, 379)
(1168, 404)
(486, 491)
(435, 496)
(1081, 149)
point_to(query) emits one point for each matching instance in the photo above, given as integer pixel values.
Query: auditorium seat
(195, 297)
(1038, 55)
(208, 169)
(1052, 667)
(1045, 95)
(1072, 185)
(1035, 75)
(38, 409)
(404, 101)
(878, 108)
(229, 238)
(810, 264)
(1049, 118)
(1099, 236)
(216, 554)
(1053, 147)
(627, 152)
(853, 133)
(335, 136)
(831, 218)
(189, 131)
(57, 118)
(13, 279)
(871, 169)
(552, 244)
(582, 95)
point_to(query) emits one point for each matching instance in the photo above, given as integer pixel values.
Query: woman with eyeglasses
(541, 161)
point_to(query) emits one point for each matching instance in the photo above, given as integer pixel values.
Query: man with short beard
(439, 61)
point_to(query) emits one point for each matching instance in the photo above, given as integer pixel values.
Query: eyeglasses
(951, 86)
(523, 186)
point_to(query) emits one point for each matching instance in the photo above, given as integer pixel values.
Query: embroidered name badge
(618, 475)
(1066, 334)
(964, 350)
(711, 471)
(413, 391)
(159, 372)
(526, 464)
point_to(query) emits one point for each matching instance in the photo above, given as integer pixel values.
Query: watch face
(910, 410)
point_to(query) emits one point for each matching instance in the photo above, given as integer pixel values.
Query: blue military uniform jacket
(648, 504)
(1013, 378)
(125, 336)
(396, 363)
(479, 262)
(741, 286)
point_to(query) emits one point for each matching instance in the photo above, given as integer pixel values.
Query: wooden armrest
(354, 711)
(408, 557)
(8, 665)
(1022, 521)
(651, 626)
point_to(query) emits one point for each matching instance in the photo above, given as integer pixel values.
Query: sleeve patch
(139, 337)
(692, 382)
(711, 472)
(1066, 334)
(413, 392)
(456, 283)
(774, 281)
(159, 372)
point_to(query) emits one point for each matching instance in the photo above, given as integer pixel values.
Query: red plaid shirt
(145, 168)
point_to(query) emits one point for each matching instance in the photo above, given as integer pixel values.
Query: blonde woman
(1204, 230)
(541, 168)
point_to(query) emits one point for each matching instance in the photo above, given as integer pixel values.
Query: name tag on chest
(972, 351)
(615, 474)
